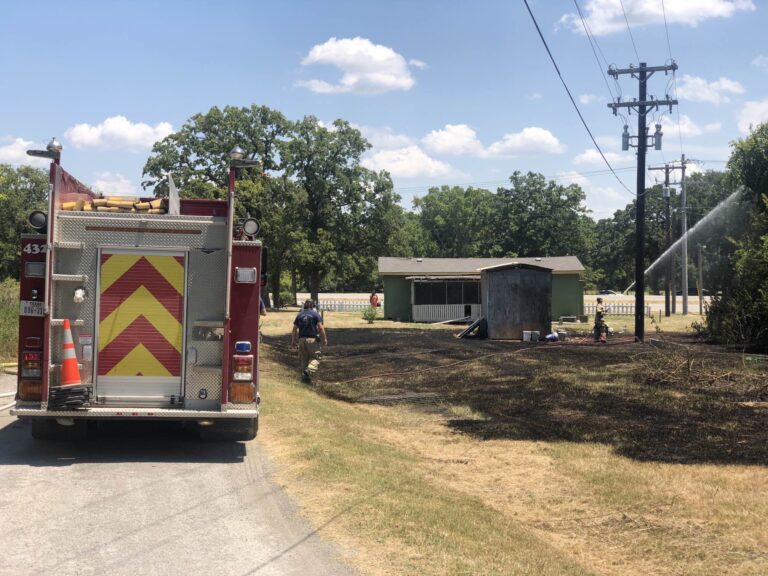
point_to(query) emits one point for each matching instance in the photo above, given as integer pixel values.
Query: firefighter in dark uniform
(307, 331)
(601, 328)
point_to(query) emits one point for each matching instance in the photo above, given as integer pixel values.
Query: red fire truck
(163, 309)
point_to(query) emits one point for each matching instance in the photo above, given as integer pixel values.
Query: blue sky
(448, 92)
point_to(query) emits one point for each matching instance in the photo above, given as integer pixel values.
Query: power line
(666, 28)
(592, 45)
(554, 63)
(629, 29)
(674, 76)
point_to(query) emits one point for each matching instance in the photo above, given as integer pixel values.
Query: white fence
(616, 309)
(443, 312)
(343, 305)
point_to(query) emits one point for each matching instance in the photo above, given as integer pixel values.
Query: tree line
(326, 218)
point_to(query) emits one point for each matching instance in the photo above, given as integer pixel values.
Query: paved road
(147, 500)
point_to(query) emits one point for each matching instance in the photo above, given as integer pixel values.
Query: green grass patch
(9, 319)
(378, 496)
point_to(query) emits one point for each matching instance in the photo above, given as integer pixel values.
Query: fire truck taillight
(31, 390)
(242, 391)
(31, 365)
(242, 367)
(31, 385)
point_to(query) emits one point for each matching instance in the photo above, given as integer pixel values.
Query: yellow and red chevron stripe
(141, 311)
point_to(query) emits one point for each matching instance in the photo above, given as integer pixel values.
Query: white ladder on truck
(58, 278)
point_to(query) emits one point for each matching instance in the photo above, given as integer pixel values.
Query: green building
(438, 289)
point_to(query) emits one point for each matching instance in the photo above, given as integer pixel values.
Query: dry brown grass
(573, 445)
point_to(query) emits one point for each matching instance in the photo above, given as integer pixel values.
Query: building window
(453, 290)
(471, 293)
(428, 293)
(421, 293)
(441, 293)
(438, 293)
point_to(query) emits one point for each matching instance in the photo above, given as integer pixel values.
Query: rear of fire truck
(145, 298)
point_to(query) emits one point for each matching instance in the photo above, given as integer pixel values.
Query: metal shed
(516, 297)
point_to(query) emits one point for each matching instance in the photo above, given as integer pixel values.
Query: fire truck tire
(234, 430)
(49, 429)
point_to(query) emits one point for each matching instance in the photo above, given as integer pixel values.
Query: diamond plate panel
(69, 261)
(206, 300)
(196, 381)
(136, 229)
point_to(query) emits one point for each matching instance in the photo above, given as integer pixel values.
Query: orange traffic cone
(70, 373)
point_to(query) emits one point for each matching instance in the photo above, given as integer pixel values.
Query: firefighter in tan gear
(601, 328)
(307, 331)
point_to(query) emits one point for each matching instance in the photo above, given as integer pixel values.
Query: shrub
(370, 313)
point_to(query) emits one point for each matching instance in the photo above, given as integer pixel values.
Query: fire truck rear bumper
(128, 413)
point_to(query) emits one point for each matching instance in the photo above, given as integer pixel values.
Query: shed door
(140, 333)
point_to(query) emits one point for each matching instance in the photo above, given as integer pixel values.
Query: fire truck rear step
(70, 277)
(134, 412)
(58, 367)
(74, 323)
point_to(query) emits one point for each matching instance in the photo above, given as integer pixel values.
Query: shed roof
(392, 266)
(515, 264)
(444, 277)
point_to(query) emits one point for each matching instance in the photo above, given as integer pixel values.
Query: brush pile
(677, 366)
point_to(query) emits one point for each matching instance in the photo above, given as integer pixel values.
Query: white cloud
(752, 114)
(15, 153)
(714, 153)
(602, 200)
(531, 140)
(455, 140)
(693, 168)
(591, 156)
(384, 138)
(607, 17)
(118, 132)
(420, 64)
(367, 68)
(760, 61)
(687, 127)
(697, 89)
(535, 96)
(572, 177)
(114, 185)
(587, 98)
(408, 162)
(327, 125)
(460, 139)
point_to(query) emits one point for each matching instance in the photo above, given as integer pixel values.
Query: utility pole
(684, 208)
(701, 281)
(668, 224)
(641, 106)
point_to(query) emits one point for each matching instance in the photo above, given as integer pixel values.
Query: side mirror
(39, 221)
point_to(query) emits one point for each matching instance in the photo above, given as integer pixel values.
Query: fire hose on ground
(8, 368)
